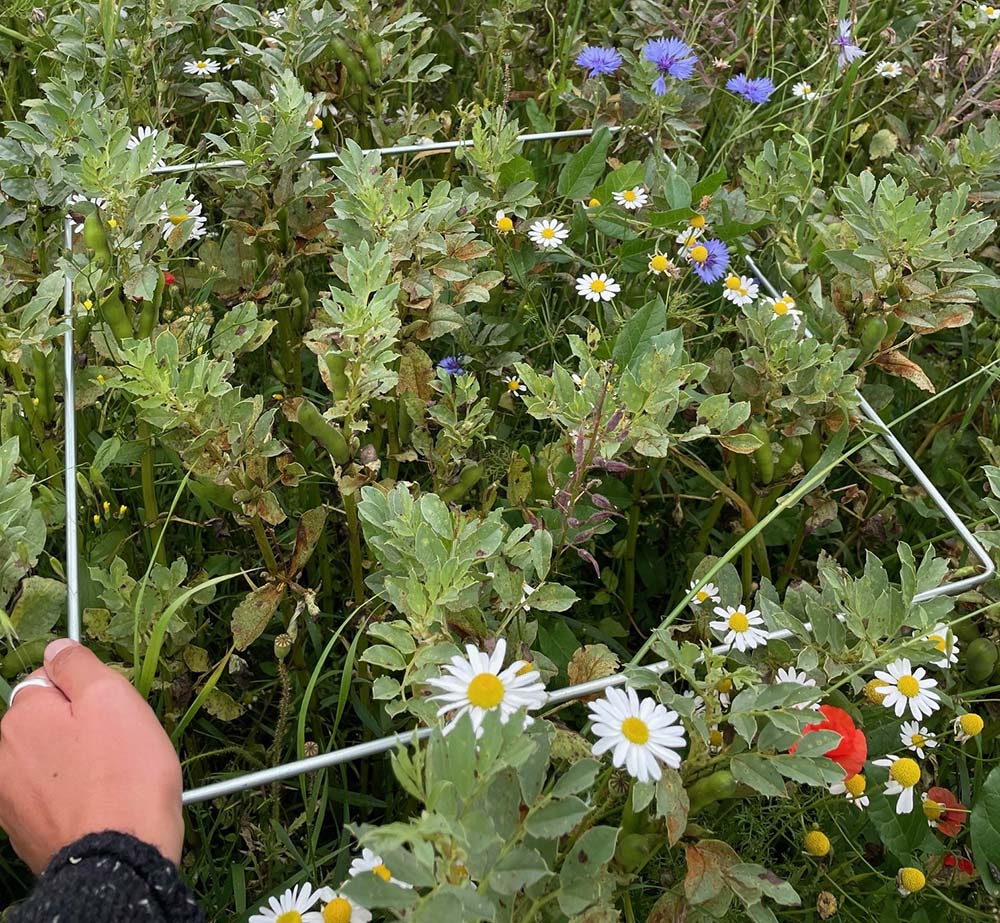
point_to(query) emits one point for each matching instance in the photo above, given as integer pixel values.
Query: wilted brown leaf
(593, 661)
(707, 864)
(309, 530)
(895, 363)
(252, 615)
(415, 372)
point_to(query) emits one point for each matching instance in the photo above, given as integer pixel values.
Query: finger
(73, 667)
(34, 687)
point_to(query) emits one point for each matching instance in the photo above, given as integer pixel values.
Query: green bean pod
(96, 239)
(466, 481)
(113, 313)
(325, 433)
(711, 789)
(300, 311)
(369, 49)
(24, 657)
(343, 53)
(764, 455)
(336, 365)
(150, 312)
(812, 449)
(791, 451)
(873, 332)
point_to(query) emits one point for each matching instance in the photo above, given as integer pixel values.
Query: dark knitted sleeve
(111, 878)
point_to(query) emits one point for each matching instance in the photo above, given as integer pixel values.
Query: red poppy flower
(852, 751)
(169, 278)
(943, 810)
(964, 865)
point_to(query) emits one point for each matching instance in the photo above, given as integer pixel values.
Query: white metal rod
(69, 474)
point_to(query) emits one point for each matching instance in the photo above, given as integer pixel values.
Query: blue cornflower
(709, 259)
(452, 365)
(599, 61)
(847, 50)
(755, 90)
(672, 58)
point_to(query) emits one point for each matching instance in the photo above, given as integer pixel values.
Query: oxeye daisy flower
(188, 217)
(945, 641)
(632, 199)
(293, 906)
(852, 788)
(990, 12)
(803, 90)
(141, 134)
(709, 259)
(910, 880)
(672, 58)
(784, 306)
(904, 775)
(451, 365)
(503, 223)
(904, 687)
(916, 738)
(753, 89)
(708, 593)
(337, 908)
(515, 385)
(844, 45)
(888, 69)
(548, 233)
(599, 61)
(597, 287)
(641, 733)
(739, 627)
(791, 675)
(968, 726)
(740, 290)
(478, 684)
(370, 861)
(943, 810)
(660, 264)
(203, 67)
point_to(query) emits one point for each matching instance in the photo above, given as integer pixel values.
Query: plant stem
(151, 513)
(264, 545)
(354, 546)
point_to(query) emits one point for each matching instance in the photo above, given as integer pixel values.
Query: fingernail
(55, 648)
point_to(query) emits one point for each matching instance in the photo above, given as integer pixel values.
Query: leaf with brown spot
(672, 804)
(254, 612)
(895, 363)
(593, 661)
(309, 530)
(415, 372)
(708, 861)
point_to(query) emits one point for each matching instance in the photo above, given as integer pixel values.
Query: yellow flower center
(635, 731)
(658, 263)
(289, 916)
(715, 737)
(939, 643)
(593, 203)
(337, 911)
(908, 685)
(817, 843)
(701, 596)
(971, 724)
(112, 223)
(905, 771)
(527, 668)
(122, 510)
(485, 691)
(317, 123)
(912, 879)
(699, 253)
(548, 233)
(856, 785)
(807, 88)
(724, 685)
(918, 740)
(781, 307)
(933, 809)
(872, 691)
(596, 285)
(629, 195)
(513, 385)
(88, 304)
(381, 869)
(733, 283)
(698, 221)
(738, 622)
(177, 219)
(505, 225)
(202, 65)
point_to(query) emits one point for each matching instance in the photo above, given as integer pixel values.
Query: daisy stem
(631, 540)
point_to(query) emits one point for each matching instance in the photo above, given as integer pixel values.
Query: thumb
(72, 667)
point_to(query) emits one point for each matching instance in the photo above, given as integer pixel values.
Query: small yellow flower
(594, 202)
(122, 510)
(88, 305)
(97, 519)
(968, 726)
(658, 264)
(317, 123)
(817, 843)
(112, 223)
(201, 349)
(503, 223)
(34, 402)
(279, 396)
(872, 691)
(698, 221)
(910, 880)
(100, 379)
(106, 506)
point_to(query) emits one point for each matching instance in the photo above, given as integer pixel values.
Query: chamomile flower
(370, 861)
(816, 844)
(293, 906)
(515, 385)
(338, 908)
(904, 687)
(597, 287)
(188, 217)
(708, 593)
(76, 198)
(641, 733)
(599, 61)
(888, 69)
(904, 775)
(632, 199)
(478, 683)
(203, 67)
(804, 90)
(784, 306)
(910, 880)
(791, 675)
(992, 13)
(503, 222)
(659, 264)
(275, 18)
(968, 726)
(709, 260)
(316, 125)
(740, 290)
(739, 627)
(548, 233)
(327, 109)
(916, 738)
(845, 46)
(672, 58)
(853, 789)
(231, 63)
(687, 238)
(945, 641)
(756, 90)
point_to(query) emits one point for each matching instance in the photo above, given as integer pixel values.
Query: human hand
(84, 756)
